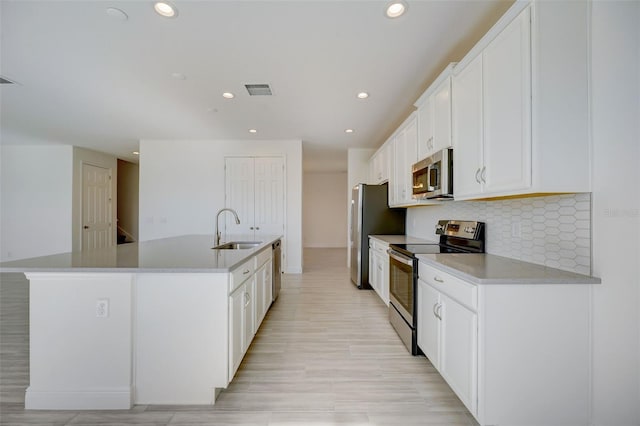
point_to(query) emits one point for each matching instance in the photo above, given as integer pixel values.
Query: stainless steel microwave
(433, 176)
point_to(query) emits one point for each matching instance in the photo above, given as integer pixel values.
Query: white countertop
(188, 253)
(401, 239)
(491, 269)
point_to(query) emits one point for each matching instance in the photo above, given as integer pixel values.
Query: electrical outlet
(516, 230)
(102, 308)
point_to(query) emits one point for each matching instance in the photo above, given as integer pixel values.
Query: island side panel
(181, 337)
(80, 356)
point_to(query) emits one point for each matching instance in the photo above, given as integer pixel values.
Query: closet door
(269, 195)
(239, 195)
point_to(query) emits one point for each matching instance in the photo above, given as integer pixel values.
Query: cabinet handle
(477, 173)
(484, 171)
(435, 310)
(251, 227)
(438, 279)
(257, 228)
(439, 311)
(247, 299)
(245, 272)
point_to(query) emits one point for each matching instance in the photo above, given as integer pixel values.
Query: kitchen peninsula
(157, 322)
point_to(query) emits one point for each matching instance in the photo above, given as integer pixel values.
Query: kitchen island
(157, 322)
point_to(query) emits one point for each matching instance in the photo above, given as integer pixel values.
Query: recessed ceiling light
(348, 131)
(396, 9)
(178, 76)
(166, 9)
(117, 13)
(136, 153)
(363, 95)
(228, 95)
(253, 131)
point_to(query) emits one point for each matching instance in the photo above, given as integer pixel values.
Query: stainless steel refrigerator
(370, 215)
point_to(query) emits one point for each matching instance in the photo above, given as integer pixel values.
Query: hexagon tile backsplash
(553, 230)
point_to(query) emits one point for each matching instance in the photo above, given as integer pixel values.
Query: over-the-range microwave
(433, 177)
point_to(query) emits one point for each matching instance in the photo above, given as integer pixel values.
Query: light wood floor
(324, 355)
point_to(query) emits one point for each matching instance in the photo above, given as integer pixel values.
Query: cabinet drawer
(263, 257)
(378, 246)
(461, 291)
(240, 274)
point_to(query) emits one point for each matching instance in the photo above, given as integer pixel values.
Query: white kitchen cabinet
(236, 329)
(507, 96)
(429, 323)
(379, 165)
(458, 349)
(249, 300)
(405, 147)
(254, 188)
(263, 297)
(492, 116)
(447, 334)
(434, 115)
(514, 353)
(379, 268)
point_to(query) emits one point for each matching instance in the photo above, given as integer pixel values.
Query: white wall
(324, 209)
(128, 198)
(86, 156)
(182, 188)
(35, 200)
(615, 75)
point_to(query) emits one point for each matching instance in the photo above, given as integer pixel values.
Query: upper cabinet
(405, 148)
(434, 115)
(519, 105)
(379, 165)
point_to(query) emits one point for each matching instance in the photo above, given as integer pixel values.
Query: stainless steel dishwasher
(277, 273)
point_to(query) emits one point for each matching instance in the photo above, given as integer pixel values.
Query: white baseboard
(78, 399)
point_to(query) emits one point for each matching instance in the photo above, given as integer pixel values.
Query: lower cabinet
(379, 268)
(249, 302)
(514, 353)
(448, 336)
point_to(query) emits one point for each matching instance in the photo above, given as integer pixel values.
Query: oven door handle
(396, 256)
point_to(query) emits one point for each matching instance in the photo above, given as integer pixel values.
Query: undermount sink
(238, 245)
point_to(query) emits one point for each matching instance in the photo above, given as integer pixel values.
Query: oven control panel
(459, 228)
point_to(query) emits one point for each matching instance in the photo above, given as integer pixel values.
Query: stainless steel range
(455, 237)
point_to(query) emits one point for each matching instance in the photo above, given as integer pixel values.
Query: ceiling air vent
(6, 81)
(258, 89)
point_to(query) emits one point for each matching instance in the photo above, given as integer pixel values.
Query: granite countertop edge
(479, 277)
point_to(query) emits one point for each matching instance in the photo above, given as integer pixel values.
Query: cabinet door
(260, 296)
(268, 286)
(239, 194)
(507, 108)
(248, 312)
(269, 196)
(411, 157)
(428, 323)
(384, 276)
(236, 329)
(373, 282)
(384, 163)
(442, 117)
(467, 129)
(425, 128)
(459, 350)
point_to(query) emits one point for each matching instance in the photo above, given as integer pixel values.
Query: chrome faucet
(235, 215)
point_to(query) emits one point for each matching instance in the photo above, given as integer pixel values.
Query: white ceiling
(88, 79)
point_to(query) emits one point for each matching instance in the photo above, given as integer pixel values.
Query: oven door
(401, 284)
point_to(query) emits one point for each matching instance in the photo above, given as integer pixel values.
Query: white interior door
(269, 195)
(96, 207)
(239, 190)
